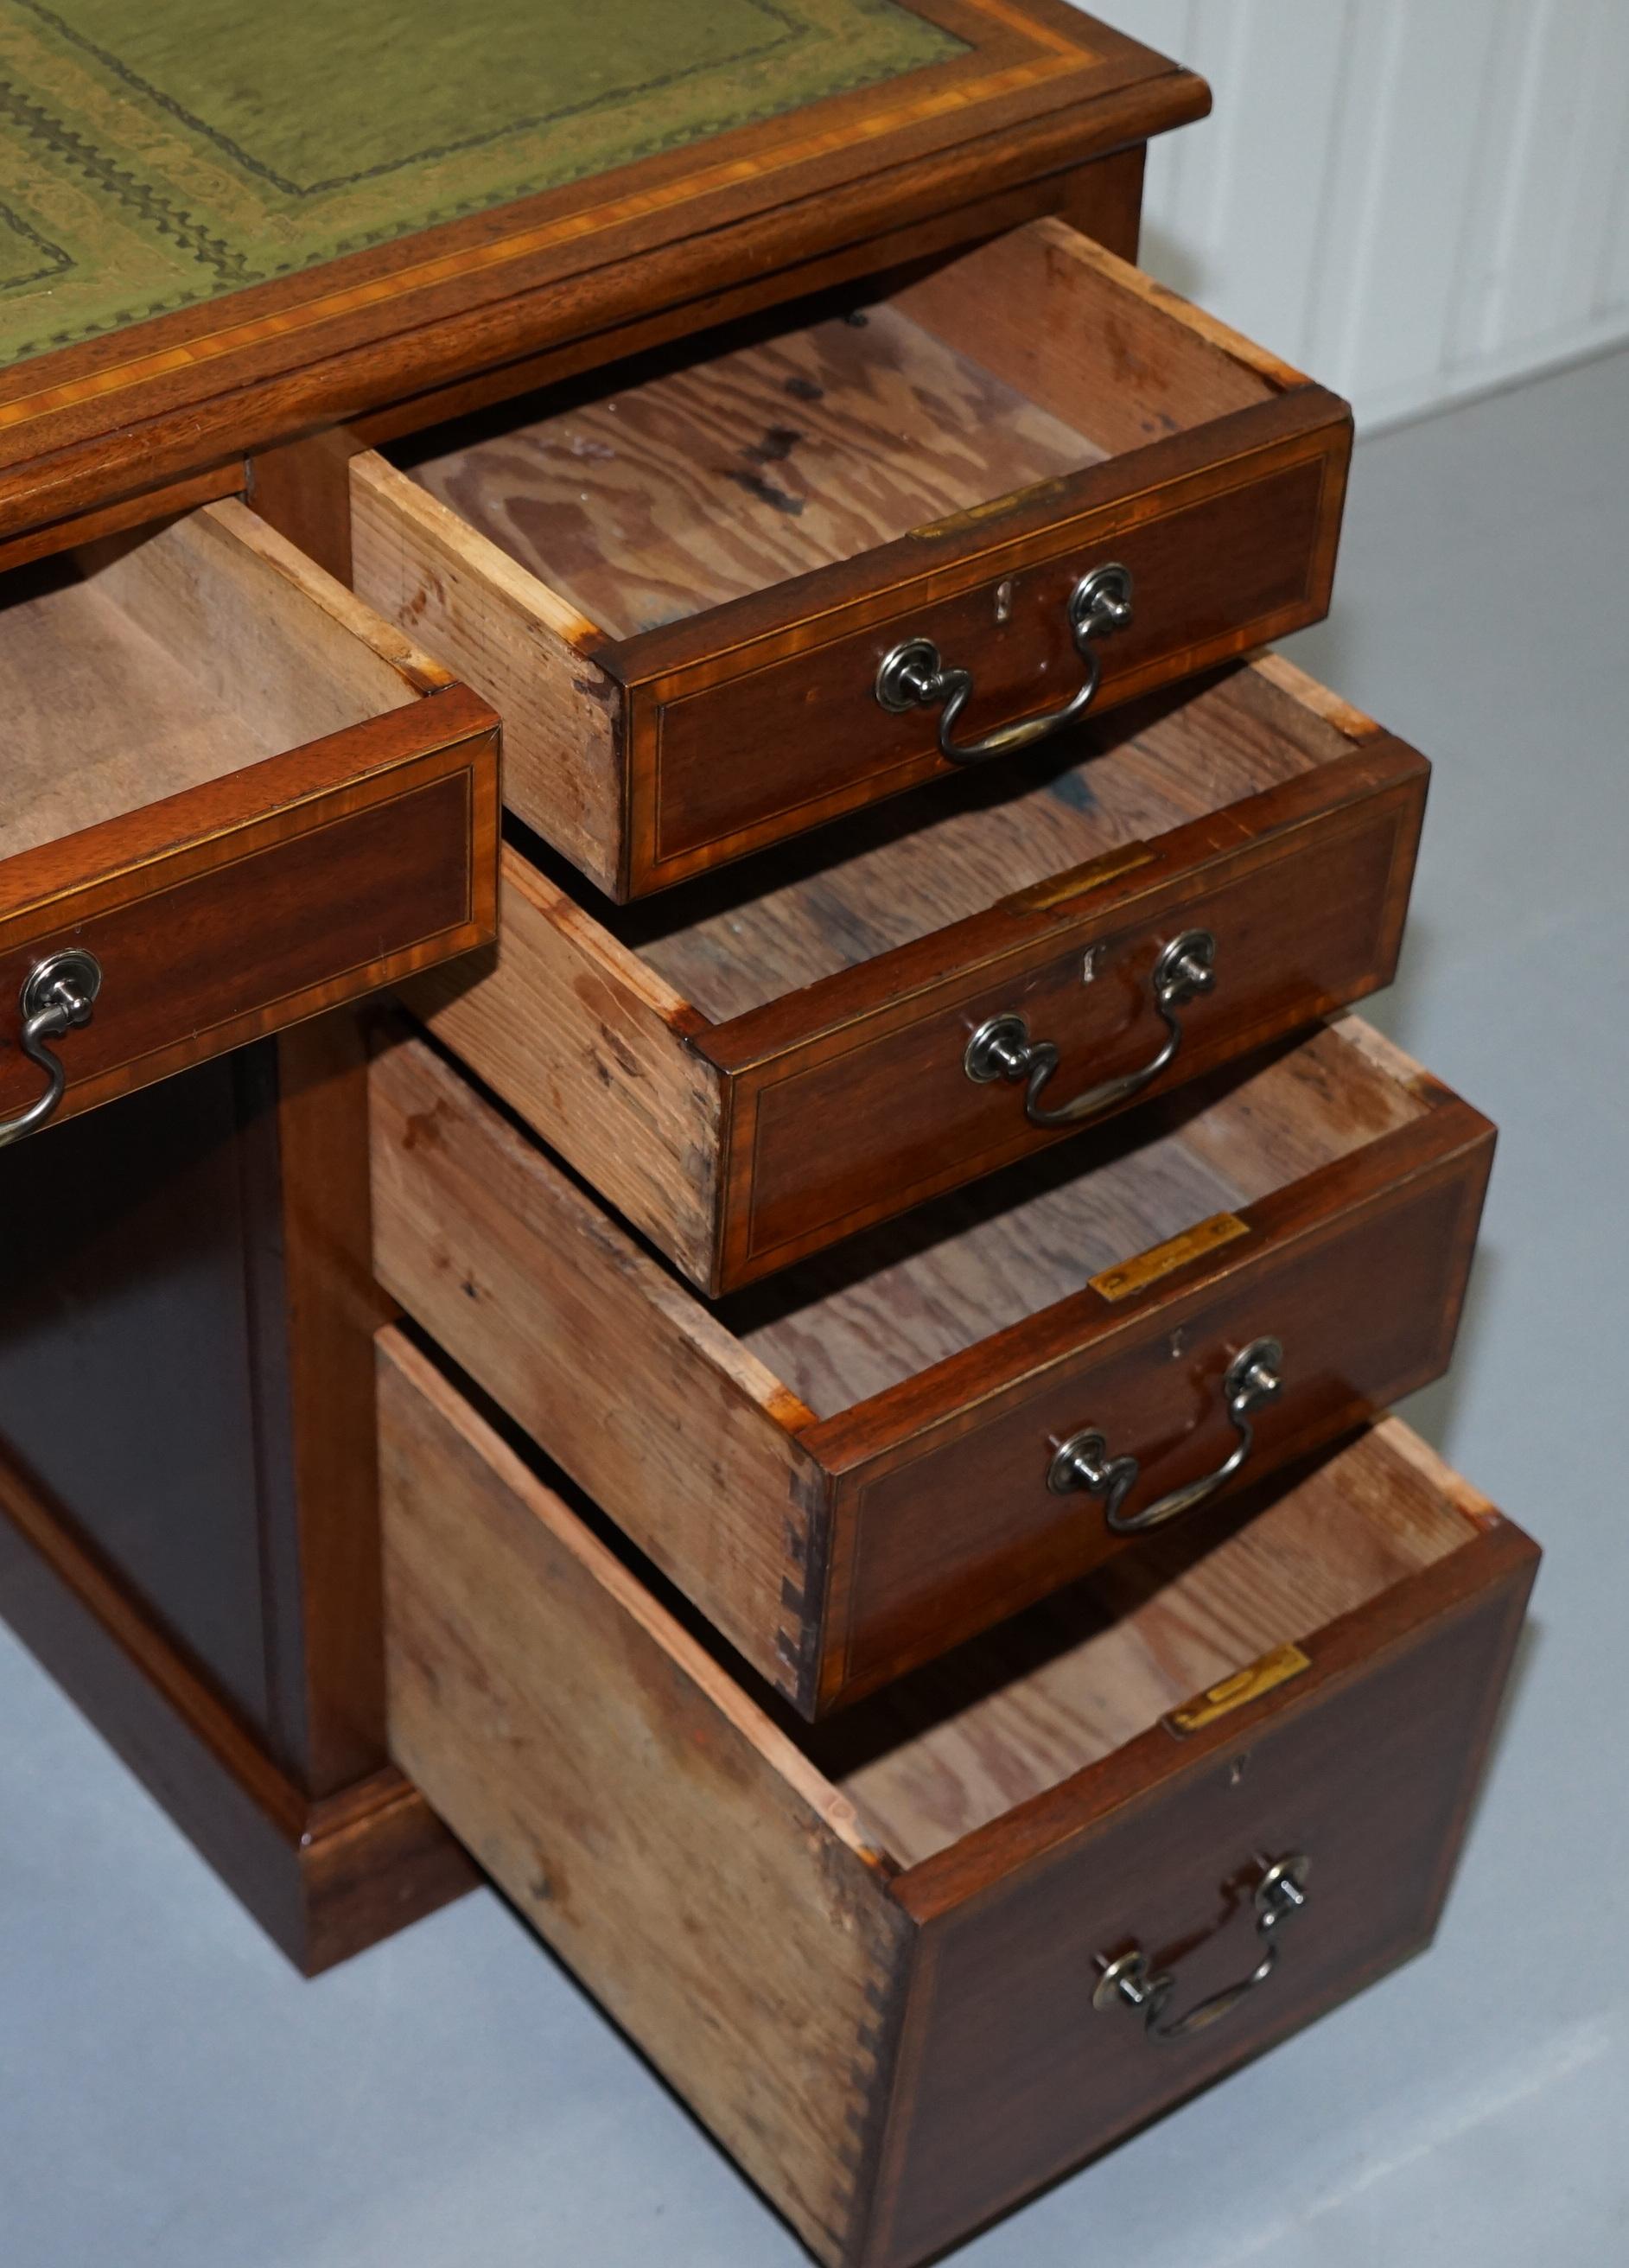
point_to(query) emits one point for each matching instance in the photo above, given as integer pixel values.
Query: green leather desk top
(227, 223)
(156, 153)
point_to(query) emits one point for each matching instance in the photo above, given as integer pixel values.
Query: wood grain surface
(1367, 1764)
(961, 846)
(676, 490)
(1015, 1712)
(837, 1550)
(839, 1122)
(266, 801)
(850, 974)
(850, 1948)
(200, 908)
(1037, 92)
(424, 568)
(1074, 327)
(847, 1326)
(714, 471)
(670, 1841)
(164, 661)
(736, 571)
(641, 1394)
(100, 719)
(943, 1520)
(589, 1043)
(1228, 534)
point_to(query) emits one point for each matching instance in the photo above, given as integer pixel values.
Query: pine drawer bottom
(912, 1964)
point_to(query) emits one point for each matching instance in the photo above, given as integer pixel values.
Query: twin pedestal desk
(704, 1225)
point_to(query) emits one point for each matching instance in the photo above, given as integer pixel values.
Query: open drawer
(853, 1467)
(758, 1064)
(893, 1963)
(726, 593)
(234, 797)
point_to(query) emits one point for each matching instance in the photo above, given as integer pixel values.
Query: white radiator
(1414, 200)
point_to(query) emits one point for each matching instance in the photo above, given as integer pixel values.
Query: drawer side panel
(617, 1372)
(634, 1805)
(507, 635)
(588, 1045)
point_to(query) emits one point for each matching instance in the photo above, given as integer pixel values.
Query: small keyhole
(1238, 1768)
(1004, 601)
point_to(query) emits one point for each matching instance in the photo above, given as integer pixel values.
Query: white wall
(1413, 200)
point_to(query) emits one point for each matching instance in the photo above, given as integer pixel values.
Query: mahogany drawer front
(868, 1955)
(244, 796)
(679, 582)
(750, 1074)
(852, 1469)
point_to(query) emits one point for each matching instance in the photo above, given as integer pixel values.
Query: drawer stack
(895, 1555)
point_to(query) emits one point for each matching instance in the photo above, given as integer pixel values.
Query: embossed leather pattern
(152, 157)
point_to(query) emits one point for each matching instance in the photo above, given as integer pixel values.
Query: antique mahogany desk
(643, 1292)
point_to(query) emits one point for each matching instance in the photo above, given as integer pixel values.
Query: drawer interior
(912, 1903)
(1064, 1684)
(677, 482)
(736, 940)
(140, 669)
(1016, 1711)
(854, 1321)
